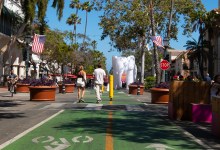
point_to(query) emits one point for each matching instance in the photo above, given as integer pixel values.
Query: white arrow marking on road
(88, 139)
(36, 140)
(60, 146)
(158, 146)
(75, 139)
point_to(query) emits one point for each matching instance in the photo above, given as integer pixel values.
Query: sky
(95, 32)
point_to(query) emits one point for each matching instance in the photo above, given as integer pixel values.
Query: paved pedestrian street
(129, 122)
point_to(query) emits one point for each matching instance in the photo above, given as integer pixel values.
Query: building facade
(10, 54)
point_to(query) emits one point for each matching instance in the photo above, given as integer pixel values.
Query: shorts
(81, 84)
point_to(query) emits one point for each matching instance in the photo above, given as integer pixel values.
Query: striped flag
(38, 43)
(157, 40)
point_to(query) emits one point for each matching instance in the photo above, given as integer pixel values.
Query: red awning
(70, 76)
(89, 76)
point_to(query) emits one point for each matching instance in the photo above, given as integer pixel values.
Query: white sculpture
(124, 65)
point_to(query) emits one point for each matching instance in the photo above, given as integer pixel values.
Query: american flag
(38, 43)
(157, 40)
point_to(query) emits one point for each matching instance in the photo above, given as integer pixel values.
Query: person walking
(12, 79)
(208, 79)
(81, 83)
(99, 75)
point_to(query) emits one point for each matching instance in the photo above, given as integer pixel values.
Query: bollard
(138, 90)
(111, 90)
(63, 88)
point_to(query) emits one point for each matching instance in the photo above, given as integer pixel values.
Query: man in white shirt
(99, 75)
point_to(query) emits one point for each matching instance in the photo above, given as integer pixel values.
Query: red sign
(164, 65)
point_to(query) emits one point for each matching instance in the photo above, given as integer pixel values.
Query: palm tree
(29, 9)
(94, 44)
(197, 53)
(74, 19)
(75, 4)
(87, 7)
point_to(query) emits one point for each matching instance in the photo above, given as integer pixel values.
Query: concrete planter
(69, 88)
(22, 88)
(42, 93)
(133, 89)
(159, 96)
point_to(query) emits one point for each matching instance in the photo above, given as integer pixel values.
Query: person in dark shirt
(12, 79)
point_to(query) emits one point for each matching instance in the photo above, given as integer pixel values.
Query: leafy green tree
(127, 22)
(94, 57)
(56, 50)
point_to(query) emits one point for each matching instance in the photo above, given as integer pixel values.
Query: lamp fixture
(166, 41)
(27, 39)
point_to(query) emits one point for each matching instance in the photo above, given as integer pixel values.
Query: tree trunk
(1, 6)
(170, 18)
(85, 29)
(10, 50)
(200, 57)
(142, 58)
(155, 53)
(75, 24)
(210, 58)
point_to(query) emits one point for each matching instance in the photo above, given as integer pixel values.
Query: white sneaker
(99, 101)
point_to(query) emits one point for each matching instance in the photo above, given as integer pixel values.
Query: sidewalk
(18, 114)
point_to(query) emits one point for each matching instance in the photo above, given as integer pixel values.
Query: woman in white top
(81, 83)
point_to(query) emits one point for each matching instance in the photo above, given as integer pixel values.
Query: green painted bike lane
(105, 130)
(119, 98)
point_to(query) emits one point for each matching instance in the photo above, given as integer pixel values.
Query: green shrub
(149, 82)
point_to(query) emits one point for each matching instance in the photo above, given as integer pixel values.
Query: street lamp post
(27, 40)
(166, 44)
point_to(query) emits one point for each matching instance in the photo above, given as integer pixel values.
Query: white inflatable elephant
(125, 65)
(131, 70)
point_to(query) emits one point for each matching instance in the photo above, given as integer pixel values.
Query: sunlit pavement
(126, 123)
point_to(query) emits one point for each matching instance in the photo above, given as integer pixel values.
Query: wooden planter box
(159, 96)
(69, 88)
(133, 89)
(22, 88)
(182, 94)
(42, 93)
(216, 115)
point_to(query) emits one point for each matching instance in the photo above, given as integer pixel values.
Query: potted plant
(69, 86)
(136, 88)
(42, 89)
(160, 93)
(22, 85)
